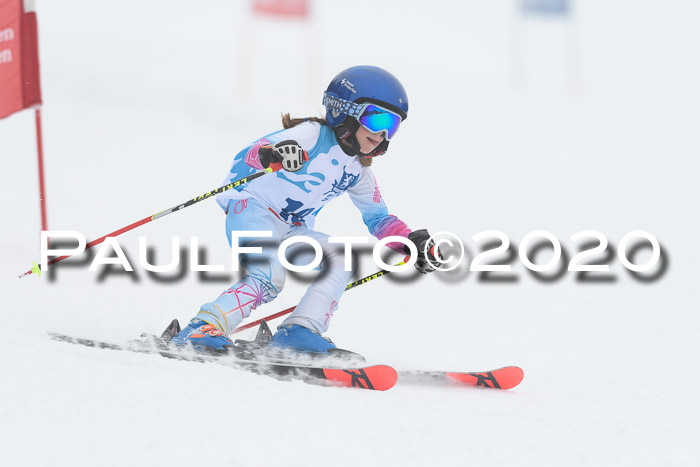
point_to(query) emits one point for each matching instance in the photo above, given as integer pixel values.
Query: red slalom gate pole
(40, 153)
(37, 270)
(351, 285)
(266, 318)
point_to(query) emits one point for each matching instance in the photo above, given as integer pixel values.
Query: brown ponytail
(289, 122)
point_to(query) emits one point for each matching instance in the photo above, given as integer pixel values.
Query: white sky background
(514, 124)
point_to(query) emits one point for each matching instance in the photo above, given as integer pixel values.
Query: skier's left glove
(288, 155)
(426, 262)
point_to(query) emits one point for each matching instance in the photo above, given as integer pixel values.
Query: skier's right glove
(426, 262)
(287, 154)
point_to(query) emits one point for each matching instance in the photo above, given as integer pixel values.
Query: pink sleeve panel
(251, 156)
(390, 226)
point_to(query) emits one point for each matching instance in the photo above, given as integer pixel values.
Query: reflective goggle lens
(377, 119)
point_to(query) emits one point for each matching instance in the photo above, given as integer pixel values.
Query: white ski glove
(288, 155)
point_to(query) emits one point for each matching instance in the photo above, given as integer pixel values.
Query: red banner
(19, 57)
(288, 8)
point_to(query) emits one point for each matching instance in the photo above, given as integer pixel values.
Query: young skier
(321, 160)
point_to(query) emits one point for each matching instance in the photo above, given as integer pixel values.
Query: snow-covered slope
(515, 125)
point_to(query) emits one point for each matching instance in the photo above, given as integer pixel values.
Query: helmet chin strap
(380, 149)
(345, 133)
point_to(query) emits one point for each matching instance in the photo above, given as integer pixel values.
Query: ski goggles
(372, 117)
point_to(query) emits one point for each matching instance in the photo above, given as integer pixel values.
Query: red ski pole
(273, 168)
(351, 285)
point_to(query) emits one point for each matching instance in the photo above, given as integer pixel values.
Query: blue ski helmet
(358, 85)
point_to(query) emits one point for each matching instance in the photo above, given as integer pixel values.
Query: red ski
(502, 378)
(377, 377)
